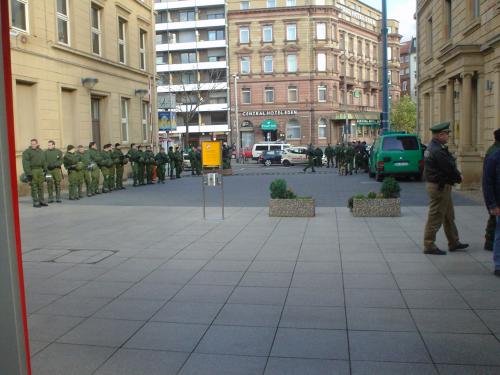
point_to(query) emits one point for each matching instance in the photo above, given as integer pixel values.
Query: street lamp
(385, 84)
(89, 82)
(237, 123)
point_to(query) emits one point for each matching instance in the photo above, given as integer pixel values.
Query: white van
(258, 148)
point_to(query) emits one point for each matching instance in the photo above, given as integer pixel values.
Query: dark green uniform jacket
(54, 158)
(33, 158)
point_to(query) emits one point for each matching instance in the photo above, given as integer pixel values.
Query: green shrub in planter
(390, 188)
(279, 190)
(372, 195)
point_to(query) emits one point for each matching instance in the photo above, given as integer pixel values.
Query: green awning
(269, 124)
(374, 123)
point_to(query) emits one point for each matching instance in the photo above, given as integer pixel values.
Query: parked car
(270, 157)
(258, 148)
(397, 154)
(297, 155)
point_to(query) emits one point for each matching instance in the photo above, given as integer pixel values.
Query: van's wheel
(371, 175)
(379, 177)
(267, 163)
(286, 163)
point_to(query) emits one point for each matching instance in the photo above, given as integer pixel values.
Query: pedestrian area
(157, 291)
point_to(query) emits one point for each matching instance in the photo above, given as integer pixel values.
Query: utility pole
(385, 84)
(237, 121)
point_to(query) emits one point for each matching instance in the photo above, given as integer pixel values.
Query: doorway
(95, 109)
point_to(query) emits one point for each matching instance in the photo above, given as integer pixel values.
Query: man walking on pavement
(95, 171)
(106, 165)
(441, 174)
(84, 173)
(171, 162)
(132, 156)
(120, 160)
(178, 162)
(329, 155)
(490, 226)
(310, 158)
(491, 191)
(34, 165)
(161, 161)
(149, 161)
(54, 160)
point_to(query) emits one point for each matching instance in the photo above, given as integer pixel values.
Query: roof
(405, 48)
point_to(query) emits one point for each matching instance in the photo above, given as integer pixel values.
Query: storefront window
(293, 130)
(322, 128)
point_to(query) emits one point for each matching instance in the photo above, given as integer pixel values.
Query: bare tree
(192, 96)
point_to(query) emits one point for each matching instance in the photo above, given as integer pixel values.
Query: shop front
(269, 129)
(360, 126)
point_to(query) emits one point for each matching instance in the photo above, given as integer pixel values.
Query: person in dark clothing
(491, 191)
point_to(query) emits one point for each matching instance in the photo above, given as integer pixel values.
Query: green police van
(397, 154)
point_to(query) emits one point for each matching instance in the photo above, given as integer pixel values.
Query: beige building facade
(304, 66)
(83, 70)
(459, 76)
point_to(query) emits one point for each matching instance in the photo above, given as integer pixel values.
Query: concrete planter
(292, 207)
(378, 207)
(227, 172)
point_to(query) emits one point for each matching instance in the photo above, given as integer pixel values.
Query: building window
(244, 35)
(187, 78)
(245, 65)
(142, 49)
(342, 41)
(335, 94)
(334, 32)
(291, 3)
(405, 86)
(188, 57)
(476, 8)
(268, 64)
(19, 16)
(246, 96)
(429, 36)
(145, 122)
(322, 128)
(215, 35)
(389, 54)
(245, 4)
(321, 62)
(448, 17)
(63, 21)
(351, 70)
(95, 18)
(292, 94)
(334, 63)
(351, 44)
(322, 93)
(367, 50)
(293, 129)
(374, 52)
(360, 47)
(122, 41)
(267, 33)
(186, 16)
(271, 3)
(367, 77)
(291, 32)
(360, 73)
(291, 63)
(124, 120)
(321, 31)
(269, 95)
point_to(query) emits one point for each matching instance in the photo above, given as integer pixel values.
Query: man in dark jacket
(491, 191)
(441, 174)
(490, 226)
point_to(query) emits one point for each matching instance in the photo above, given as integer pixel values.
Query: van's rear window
(400, 144)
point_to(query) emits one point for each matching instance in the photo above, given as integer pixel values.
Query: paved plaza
(114, 288)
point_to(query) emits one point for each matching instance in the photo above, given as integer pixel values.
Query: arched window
(322, 128)
(293, 129)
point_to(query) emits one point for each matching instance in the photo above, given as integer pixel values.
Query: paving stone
(448, 321)
(102, 289)
(271, 266)
(466, 349)
(434, 299)
(369, 281)
(153, 291)
(142, 362)
(388, 368)
(365, 267)
(491, 318)
(188, 312)
(207, 364)
(216, 278)
(249, 315)
(226, 265)
(374, 298)
(387, 346)
(318, 267)
(130, 309)
(167, 336)
(297, 366)
(101, 332)
(75, 306)
(258, 296)
(50, 327)
(203, 293)
(315, 297)
(468, 370)
(313, 317)
(432, 282)
(486, 299)
(64, 359)
(266, 279)
(236, 340)
(319, 280)
(379, 319)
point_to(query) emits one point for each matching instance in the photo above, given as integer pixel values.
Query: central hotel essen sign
(289, 112)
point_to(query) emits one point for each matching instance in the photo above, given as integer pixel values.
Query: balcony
(203, 107)
(203, 129)
(191, 45)
(207, 86)
(347, 80)
(191, 66)
(187, 4)
(187, 25)
(371, 85)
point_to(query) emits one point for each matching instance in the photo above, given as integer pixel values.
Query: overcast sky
(401, 10)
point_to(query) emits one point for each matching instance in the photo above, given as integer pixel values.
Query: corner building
(82, 70)
(304, 66)
(459, 76)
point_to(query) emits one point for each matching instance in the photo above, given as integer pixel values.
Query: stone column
(496, 84)
(466, 112)
(450, 106)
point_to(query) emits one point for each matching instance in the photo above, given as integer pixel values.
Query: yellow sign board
(211, 154)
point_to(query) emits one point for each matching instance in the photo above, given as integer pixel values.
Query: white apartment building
(191, 50)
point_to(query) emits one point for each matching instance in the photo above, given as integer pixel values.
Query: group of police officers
(84, 167)
(347, 157)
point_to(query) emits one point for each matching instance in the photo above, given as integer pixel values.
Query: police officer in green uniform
(192, 160)
(161, 159)
(84, 172)
(140, 166)
(329, 155)
(349, 154)
(197, 160)
(95, 171)
(106, 166)
(119, 160)
(490, 226)
(34, 166)
(318, 157)
(171, 162)
(441, 174)
(132, 156)
(178, 162)
(54, 160)
(71, 161)
(310, 158)
(149, 161)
